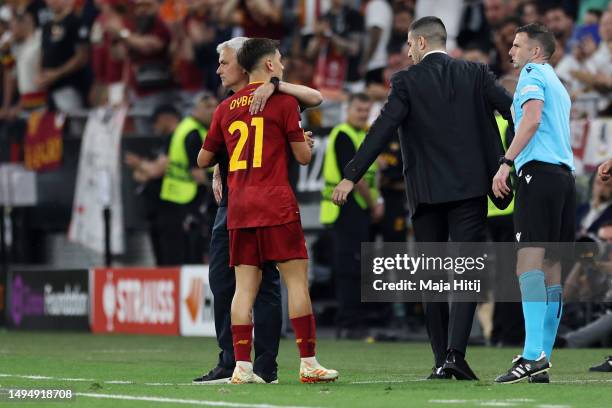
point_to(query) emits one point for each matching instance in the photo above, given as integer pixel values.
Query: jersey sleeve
(214, 141)
(293, 121)
(531, 85)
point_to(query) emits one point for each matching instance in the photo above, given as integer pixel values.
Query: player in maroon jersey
(263, 214)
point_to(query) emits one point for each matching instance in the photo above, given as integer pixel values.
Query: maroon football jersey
(258, 150)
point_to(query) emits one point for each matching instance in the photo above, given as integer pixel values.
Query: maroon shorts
(254, 246)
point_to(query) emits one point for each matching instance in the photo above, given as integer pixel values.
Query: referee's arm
(532, 115)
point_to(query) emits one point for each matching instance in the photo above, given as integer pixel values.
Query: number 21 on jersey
(235, 162)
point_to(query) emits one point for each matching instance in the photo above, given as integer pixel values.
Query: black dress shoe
(457, 366)
(604, 367)
(218, 375)
(438, 373)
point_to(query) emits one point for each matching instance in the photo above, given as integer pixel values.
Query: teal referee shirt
(551, 141)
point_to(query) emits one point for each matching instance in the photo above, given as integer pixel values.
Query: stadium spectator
(591, 281)
(598, 210)
(65, 55)
(258, 18)
(597, 72)
(586, 6)
(503, 37)
(572, 64)
(205, 32)
(592, 17)
(109, 56)
(378, 25)
(529, 13)
(147, 40)
(560, 23)
(184, 185)
(402, 18)
(26, 53)
(496, 11)
(476, 52)
(335, 47)
(472, 26)
(190, 30)
(148, 171)
(350, 224)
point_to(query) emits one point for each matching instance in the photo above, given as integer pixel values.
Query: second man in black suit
(444, 109)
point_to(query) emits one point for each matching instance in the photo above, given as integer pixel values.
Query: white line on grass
(553, 406)
(184, 401)
(603, 380)
(448, 401)
(512, 402)
(389, 381)
(44, 377)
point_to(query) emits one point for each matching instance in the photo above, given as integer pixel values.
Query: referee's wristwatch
(503, 160)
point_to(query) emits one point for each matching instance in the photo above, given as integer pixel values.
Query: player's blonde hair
(235, 44)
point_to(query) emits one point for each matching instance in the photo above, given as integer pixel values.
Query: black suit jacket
(444, 109)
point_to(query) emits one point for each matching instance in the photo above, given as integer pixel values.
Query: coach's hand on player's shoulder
(260, 97)
(500, 187)
(342, 191)
(605, 171)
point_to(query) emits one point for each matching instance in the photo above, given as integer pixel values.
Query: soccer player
(263, 215)
(545, 198)
(267, 312)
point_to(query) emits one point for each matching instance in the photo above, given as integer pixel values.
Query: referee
(545, 197)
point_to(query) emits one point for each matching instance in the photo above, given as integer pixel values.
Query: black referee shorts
(545, 207)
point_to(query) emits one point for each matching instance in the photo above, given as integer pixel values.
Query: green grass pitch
(157, 371)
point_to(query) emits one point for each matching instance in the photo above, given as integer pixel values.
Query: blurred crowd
(73, 54)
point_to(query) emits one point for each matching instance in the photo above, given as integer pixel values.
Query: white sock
(247, 365)
(310, 360)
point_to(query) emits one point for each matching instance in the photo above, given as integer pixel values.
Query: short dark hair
(165, 109)
(478, 45)
(556, 7)
(431, 28)
(595, 11)
(402, 8)
(605, 224)
(359, 96)
(514, 20)
(540, 33)
(253, 50)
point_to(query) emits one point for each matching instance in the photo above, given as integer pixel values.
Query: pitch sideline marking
(184, 401)
(44, 377)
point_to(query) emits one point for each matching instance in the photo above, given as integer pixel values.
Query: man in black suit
(450, 146)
